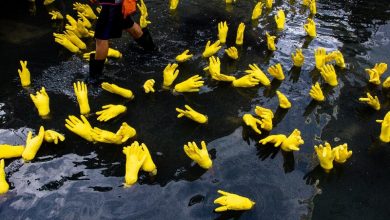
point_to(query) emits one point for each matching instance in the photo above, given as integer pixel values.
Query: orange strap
(128, 7)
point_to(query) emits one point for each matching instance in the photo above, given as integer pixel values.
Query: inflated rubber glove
(341, 153)
(143, 22)
(135, 157)
(33, 144)
(266, 123)
(67, 44)
(214, 67)
(142, 8)
(298, 58)
(74, 29)
(48, 2)
(230, 201)
(222, 31)
(268, 3)
(80, 127)
(211, 49)
(293, 141)
(56, 15)
(52, 136)
(252, 122)
(276, 71)
(258, 74)
(126, 132)
(81, 91)
(240, 34)
(192, 114)
(70, 35)
(264, 112)
(200, 156)
(386, 83)
(371, 101)
(385, 128)
(111, 53)
(86, 23)
(380, 68)
(82, 30)
(270, 42)
(316, 92)
(173, 4)
(126, 93)
(71, 20)
(148, 86)
(148, 165)
(170, 74)
(374, 76)
(277, 139)
(41, 102)
(87, 11)
(192, 84)
(9, 151)
(246, 81)
(320, 55)
(24, 74)
(339, 58)
(329, 74)
(313, 7)
(283, 100)
(325, 155)
(257, 10)
(232, 52)
(280, 19)
(78, 7)
(105, 136)
(110, 112)
(184, 56)
(310, 28)
(4, 186)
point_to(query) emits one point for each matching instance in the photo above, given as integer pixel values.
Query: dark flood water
(80, 180)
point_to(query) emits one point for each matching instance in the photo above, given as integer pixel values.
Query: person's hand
(211, 49)
(257, 10)
(372, 101)
(252, 122)
(386, 83)
(104, 136)
(126, 132)
(328, 73)
(148, 86)
(276, 71)
(200, 156)
(72, 37)
(192, 84)
(135, 157)
(385, 128)
(41, 101)
(24, 74)
(341, 153)
(62, 40)
(148, 165)
(142, 8)
(8, 151)
(240, 34)
(268, 3)
(110, 111)
(184, 56)
(192, 114)
(173, 4)
(310, 28)
(325, 155)
(33, 144)
(86, 23)
(316, 92)
(56, 15)
(232, 52)
(143, 22)
(52, 136)
(222, 31)
(277, 139)
(320, 55)
(298, 58)
(4, 186)
(264, 112)
(270, 42)
(230, 201)
(280, 19)
(112, 88)
(80, 127)
(246, 81)
(258, 74)
(293, 141)
(313, 7)
(170, 74)
(81, 91)
(283, 100)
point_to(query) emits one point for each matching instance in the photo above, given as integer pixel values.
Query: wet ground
(76, 179)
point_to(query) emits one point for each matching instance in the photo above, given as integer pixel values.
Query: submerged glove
(310, 27)
(298, 58)
(4, 186)
(148, 165)
(230, 201)
(257, 10)
(70, 35)
(325, 155)
(173, 4)
(276, 71)
(258, 74)
(192, 114)
(143, 22)
(52, 136)
(329, 74)
(240, 34)
(170, 74)
(104, 136)
(341, 153)
(372, 101)
(80, 127)
(200, 156)
(56, 15)
(192, 84)
(320, 55)
(41, 102)
(126, 132)
(246, 81)
(268, 3)
(283, 100)
(280, 19)
(135, 157)
(211, 49)
(293, 141)
(270, 42)
(126, 93)
(385, 128)
(252, 122)
(277, 140)
(110, 111)
(232, 52)
(33, 144)
(67, 44)
(80, 89)
(316, 92)
(148, 86)
(183, 56)
(24, 74)
(9, 151)
(222, 31)
(313, 7)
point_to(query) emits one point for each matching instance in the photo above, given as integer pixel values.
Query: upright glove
(80, 127)
(277, 140)
(316, 92)
(105, 136)
(222, 31)
(276, 71)
(252, 122)
(86, 23)
(211, 49)
(135, 157)
(52, 136)
(266, 123)
(126, 132)
(374, 76)
(110, 112)
(264, 112)
(230, 201)
(341, 153)
(246, 81)
(56, 15)
(33, 144)
(310, 28)
(232, 52)
(170, 74)
(85, 9)
(41, 102)
(268, 3)
(62, 40)
(320, 55)
(4, 186)
(183, 56)
(240, 34)
(126, 93)
(24, 74)
(70, 35)
(386, 83)
(298, 58)
(313, 7)
(200, 156)
(293, 141)
(283, 100)
(80, 89)
(71, 20)
(173, 4)
(372, 101)
(148, 86)
(338, 57)
(258, 74)
(192, 84)
(270, 42)
(280, 19)
(385, 128)
(143, 22)
(257, 10)
(192, 114)
(325, 155)
(328, 73)
(9, 151)
(379, 67)
(148, 165)
(306, 2)
(142, 8)
(214, 67)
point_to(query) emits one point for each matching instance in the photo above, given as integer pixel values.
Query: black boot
(146, 41)
(95, 69)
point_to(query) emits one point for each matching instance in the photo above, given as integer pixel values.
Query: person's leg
(101, 49)
(140, 35)
(135, 31)
(97, 59)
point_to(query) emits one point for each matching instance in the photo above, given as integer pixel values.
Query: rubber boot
(95, 69)
(146, 41)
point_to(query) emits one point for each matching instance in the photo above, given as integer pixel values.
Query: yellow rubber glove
(246, 81)
(316, 92)
(264, 112)
(200, 156)
(98, 9)
(71, 20)
(86, 23)
(112, 88)
(268, 3)
(298, 58)
(110, 112)
(33, 144)
(280, 19)
(126, 132)
(4, 186)
(222, 31)
(338, 57)
(229, 1)
(143, 22)
(148, 86)
(148, 165)
(277, 140)
(306, 2)
(223, 78)
(258, 74)
(142, 8)
(266, 123)
(184, 56)
(74, 29)
(9, 151)
(82, 30)
(52, 136)
(380, 68)
(341, 153)
(78, 7)
(214, 67)
(114, 53)
(192, 84)
(230, 201)
(211, 49)
(320, 55)
(293, 141)
(48, 2)
(240, 34)
(135, 157)
(310, 28)
(386, 83)
(70, 35)
(328, 73)
(173, 4)
(80, 127)
(257, 10)
(374, 76)
(41, 102)
(24, 74)
(62, 40)
(252, 122)
(283, 100)
(371, 101)
(81, 91)
(105, 136)
(385, 128)
(170, 74)
(192, 114)
(276, 71)
(313, 7)
(270, 42)
(325, 155)
(56, 15)
(232, 52)
(87, 11)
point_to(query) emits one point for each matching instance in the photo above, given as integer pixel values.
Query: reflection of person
(113, 19)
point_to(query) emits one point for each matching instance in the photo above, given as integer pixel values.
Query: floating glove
(4, 186)
(341, 153)
(104, 136)
(70, 35)
(270, 42)
(211, 49)
(283, 100)
(280, 19)
(374, 76)
(170, 73)
(148, 86)
(192, 114)
(313, 7)
(385, 128)
(192, 84)
(135, 157)
(276, 71)
(325, 155)
(371, 101)
(126, 132)
(33, 144)
(316, 92)
(126, 93)
(298, 58)
(246, 81)
(258, 74)
(320, 55)
(24, 74)
(240, 34)
(80, 89)
(142, 8)
(264, 112)
(386, 83)
(143, 22)
(67, 44)
(110, 112)
(252, 122)
(80, 127)
(200, 156)
(86, 23)
(277, 140)
(329, 74)
(232, 52)
(222, 31)
(257, 10)
(41, 102)
(56, 15)
(293, 141)
(230, 201)
(53, 137)
(9, 151)
(173, 4)
(183, 56)
(48, 2)
(268, 3)
(148, 165)
(310, 28)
